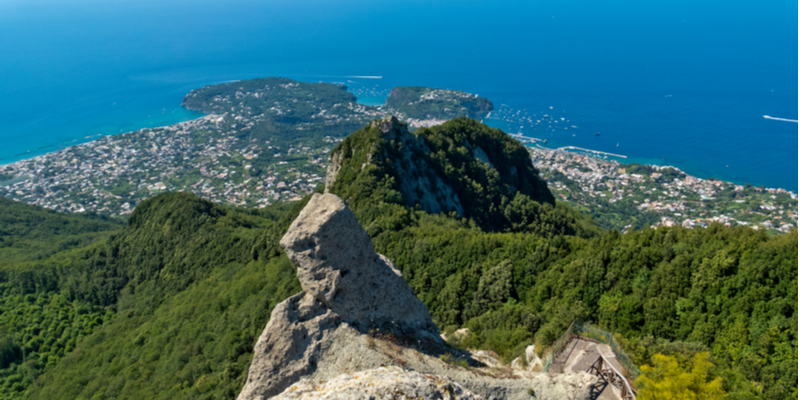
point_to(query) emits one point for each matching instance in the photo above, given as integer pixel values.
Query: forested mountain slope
(181, 292)
(461, 167)
(31, 233)
(729, 291)
(171, 305)
(520, 270)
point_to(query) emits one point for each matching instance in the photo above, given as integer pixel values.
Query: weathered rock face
(337, 265)
(388, 383)
(348, 290)
(287, 349)
(416, 182)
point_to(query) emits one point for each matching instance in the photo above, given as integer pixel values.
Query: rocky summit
(337, 266)
(348, 290)
(357, 313)
(415, 180)
(461, 167)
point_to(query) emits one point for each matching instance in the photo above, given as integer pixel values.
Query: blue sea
(676, 82)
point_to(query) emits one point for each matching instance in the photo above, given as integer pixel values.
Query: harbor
(536, 142)
(591, 153)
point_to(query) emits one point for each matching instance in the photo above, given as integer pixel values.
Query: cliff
(408, 154)
(462, 166)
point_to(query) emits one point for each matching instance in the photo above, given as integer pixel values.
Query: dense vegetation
(503, 192)
(669, 380)
(731, 291)
(30, 233)
(171, 305)
(424, 103)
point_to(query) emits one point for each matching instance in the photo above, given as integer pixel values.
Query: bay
(678, 83)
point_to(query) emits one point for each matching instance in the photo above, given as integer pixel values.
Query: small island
(422, 106)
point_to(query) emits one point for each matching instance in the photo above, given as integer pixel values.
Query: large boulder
(348, 291)
(337, 265)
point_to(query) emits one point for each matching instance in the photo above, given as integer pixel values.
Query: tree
(494, 288)
(667, 379)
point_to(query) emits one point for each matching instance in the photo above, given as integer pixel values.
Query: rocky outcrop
(338, 267)
(357, 313)
(387, 383)
(481, 155)
(417, 182)
(532, 361)
(334, 166)
(348, 290)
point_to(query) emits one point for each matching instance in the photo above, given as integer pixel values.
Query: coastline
(685, 165)
(111, 174)
(630, 160)
(625, 196)
(526, 140)
(45, 148)
(89, 143)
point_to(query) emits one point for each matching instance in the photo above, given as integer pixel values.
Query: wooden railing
(601, 367)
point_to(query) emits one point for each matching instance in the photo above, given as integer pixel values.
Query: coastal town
(113, 174)
(243, 153)
(636, 196)
(268, 141)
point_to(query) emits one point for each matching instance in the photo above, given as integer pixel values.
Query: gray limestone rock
(348, 290)
(334, 166)
(287, 349)
(337, 265)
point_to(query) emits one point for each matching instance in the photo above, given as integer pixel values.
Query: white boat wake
(780, 119)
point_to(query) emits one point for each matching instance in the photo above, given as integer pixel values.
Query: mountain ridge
(443, 169)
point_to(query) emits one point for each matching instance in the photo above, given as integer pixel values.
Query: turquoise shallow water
(682, 82)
